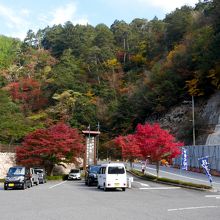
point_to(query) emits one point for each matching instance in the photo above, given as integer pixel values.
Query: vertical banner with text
(184, 162)
(204, 163)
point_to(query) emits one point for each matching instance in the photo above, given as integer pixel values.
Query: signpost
(90, 155)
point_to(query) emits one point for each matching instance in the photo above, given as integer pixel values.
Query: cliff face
(179, 119)
(7, 160)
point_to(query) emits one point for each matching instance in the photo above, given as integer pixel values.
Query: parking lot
(65, 200)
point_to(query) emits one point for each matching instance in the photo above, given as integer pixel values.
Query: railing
(198, 151)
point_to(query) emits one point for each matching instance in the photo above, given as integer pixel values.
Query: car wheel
(5, 188)
(104, 188)
(98, 187)
(123, 189)
(89, 184)
(24, 186)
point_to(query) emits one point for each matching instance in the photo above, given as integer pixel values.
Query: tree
(157, 143)
(13, 124)
(9, 48)
(129, 147)
(56, 145)
(149, 141)
(28, 93)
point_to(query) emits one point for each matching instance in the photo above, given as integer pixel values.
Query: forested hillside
(118, 76)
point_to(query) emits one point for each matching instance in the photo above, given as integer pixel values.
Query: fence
(196, 152)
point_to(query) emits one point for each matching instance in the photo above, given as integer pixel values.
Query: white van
(112, 176)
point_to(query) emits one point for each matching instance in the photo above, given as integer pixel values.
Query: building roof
(87, 132)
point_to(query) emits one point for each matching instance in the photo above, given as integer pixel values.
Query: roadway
(70, 200)
(177, 174)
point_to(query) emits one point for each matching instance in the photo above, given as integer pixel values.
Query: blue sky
(18, 16)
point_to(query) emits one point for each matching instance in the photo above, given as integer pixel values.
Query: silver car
(74, 174)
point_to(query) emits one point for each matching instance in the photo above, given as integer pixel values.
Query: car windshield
(94, 169)
(116, 170)
(38, 171)
(16, 171)
(74, 171)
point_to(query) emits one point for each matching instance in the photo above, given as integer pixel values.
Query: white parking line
(158, 188)
(213, 196)
(142, 184)
(57, 184)
(192, 208)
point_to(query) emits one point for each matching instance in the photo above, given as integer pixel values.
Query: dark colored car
(18, 177)
(41, 174)
(91, 175)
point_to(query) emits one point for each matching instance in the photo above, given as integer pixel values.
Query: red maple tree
(149, 141)
(129, 148)
(47, 147)
(156, 143)
(28, 92)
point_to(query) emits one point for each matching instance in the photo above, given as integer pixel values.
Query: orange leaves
(193, 87)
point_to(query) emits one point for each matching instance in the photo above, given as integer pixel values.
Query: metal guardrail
(198, 151)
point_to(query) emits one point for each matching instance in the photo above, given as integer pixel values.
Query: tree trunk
(130, 164)
(50, 169)
(158, 167)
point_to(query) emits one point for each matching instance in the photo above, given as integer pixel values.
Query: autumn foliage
(28, 93)
(149, 141)
(47, 147)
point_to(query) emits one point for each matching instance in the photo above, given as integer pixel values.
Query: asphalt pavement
(69, 200)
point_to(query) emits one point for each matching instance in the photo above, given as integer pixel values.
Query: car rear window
(74, 171)
(94, 169)
(16, 171)
(116, 170)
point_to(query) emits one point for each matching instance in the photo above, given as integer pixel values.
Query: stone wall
(6, 160)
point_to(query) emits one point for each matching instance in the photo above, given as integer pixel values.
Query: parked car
(18, 177)
(91, 175)
(112, 176)
(42, 177)
(34, 177)
(74, 174)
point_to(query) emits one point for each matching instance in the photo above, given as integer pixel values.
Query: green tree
(13, 126)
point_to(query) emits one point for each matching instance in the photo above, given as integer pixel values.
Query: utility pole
(193, 121)
(89, 147)
(97, 146)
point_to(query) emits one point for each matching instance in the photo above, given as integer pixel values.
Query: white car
(74, 174)
(34, 177)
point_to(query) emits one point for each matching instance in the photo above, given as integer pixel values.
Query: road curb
(173, 184)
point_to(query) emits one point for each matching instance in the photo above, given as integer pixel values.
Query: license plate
(11, 184)
(117, 184)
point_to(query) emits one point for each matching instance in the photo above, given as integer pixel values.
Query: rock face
(212, 114)
(178, 120)
(6, 160)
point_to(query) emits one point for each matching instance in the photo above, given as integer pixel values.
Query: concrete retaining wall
(6, 160)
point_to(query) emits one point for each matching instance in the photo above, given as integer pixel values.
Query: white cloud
(12, 18)
(15, 20)
(63, 14)
(168, 5)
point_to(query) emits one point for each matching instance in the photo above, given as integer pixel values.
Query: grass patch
(58, 177)
(2, 180)
(167, 180)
